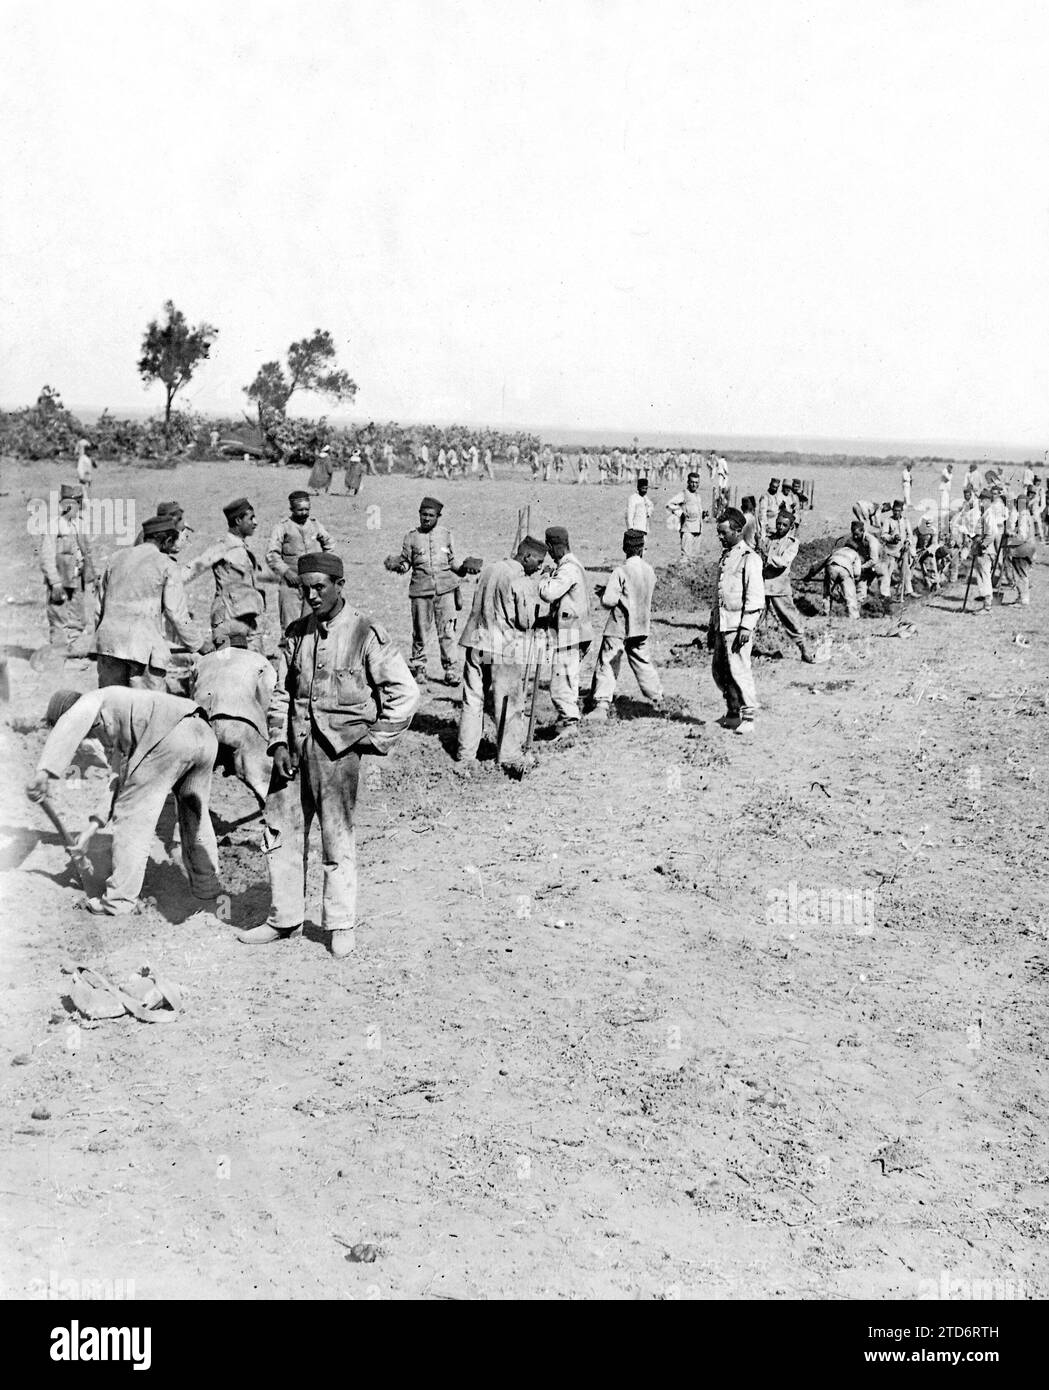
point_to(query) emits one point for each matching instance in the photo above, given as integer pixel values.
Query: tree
(171, 351)
(311, 367)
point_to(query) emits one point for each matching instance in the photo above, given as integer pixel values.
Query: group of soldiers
(296, 727)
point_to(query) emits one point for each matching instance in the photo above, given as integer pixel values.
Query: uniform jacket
(566, 592)
(430, 555)
(133, 723)
(638, 512)
(345, 680)
(779, 556)
(740, 598)
(140, 588)
(65, 554)
(503, 610)
(237, 593)
(289, 540)
(235, 684)
(689, 508)
(629, 596)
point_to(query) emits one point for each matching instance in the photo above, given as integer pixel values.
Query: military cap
(433, 504)
(294, 496)
(321, 562)
(159, 525)
(531, 546)
(235, 509)
(556, 535)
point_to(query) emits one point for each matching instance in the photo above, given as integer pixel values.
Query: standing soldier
(65, 558)
(639, 508)
(582, 467)
(299, 534)
(489, 471)
(140, 589)
(628, 596)
(906, 478)
(779, 596)
(565, 590)
(388, 456)
(768, 510)
(238, 598)
(343, 690)
(897, 542)
(85, 466)
(433, 592)
(946, 477)
(688, 507)
(986, 548)
(495, 667)
(739, 603)
(1019, 548)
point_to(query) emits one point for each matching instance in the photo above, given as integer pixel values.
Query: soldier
(565, 590)
(688, 507)
(985, 547)
(582, 467)
(429, 552)
(299, 534)
(639, 507)
(388, 456)
(65, 558)
(175, 511)
(1019, 548)
(233, 687)
(628, 597)
(843, 571)
(768, 509)
(906, 478)
(489, 470)
(738, 604)
(158, 743)
(354, 473)
(496, 664)
(897, 543)
(237, 593)
(342, 690)
(946, 478)
(140, 590)
(779, 596)
(85, 466)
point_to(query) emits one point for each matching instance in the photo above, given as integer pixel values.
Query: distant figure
(322, 471)
(85, 466)
(354, 473)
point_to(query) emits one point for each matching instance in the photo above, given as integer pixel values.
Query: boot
(264, 935)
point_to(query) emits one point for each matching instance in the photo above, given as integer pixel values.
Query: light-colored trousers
(732, 675)
(66, 621)
(690, 543)
(113, 670)
(323, 788)
(564, 682)
(499, 686)
(837, 577)
(609, 660)
(181, 763)
(439, 610)
(1021, 569)
(982, 575)
(290, 605)
(242, 749)
(783, 609)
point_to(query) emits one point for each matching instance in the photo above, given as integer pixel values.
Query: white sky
(738, 216)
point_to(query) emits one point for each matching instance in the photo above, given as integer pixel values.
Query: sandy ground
(611, 1032)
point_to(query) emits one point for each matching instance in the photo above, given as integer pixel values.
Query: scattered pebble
(40, 1112)
(364, 1254)
(21, 1059)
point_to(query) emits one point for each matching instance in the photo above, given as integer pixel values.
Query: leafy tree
(311, 367)
(171, 352)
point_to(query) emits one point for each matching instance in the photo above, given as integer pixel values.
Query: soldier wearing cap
(768, 509)
(299, 534)
(985, 546)
(738, 604)
(433, 592)
(343, 690)
(175, 512)
(497, 655)
(628, 598)
(780, 554)
(157, 744)
(238, 598)
(565, 590)
(141, 589)
(687, 506)
(897, 543)
(65, 558)
(85, 465)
